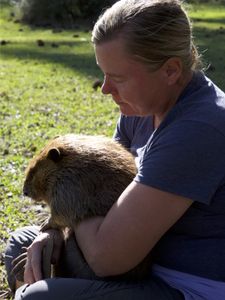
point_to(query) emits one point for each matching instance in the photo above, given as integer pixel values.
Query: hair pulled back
(153, 31)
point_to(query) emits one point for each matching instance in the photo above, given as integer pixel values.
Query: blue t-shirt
(185, 155)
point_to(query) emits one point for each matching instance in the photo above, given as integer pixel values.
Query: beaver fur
(80, 176)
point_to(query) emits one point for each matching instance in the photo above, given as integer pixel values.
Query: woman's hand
(33, 267)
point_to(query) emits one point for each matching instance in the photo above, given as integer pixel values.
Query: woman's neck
(175, 94)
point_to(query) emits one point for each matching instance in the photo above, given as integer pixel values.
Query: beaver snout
(26, 191)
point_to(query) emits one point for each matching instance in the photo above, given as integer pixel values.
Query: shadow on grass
(209, 20)
(55, 52)
(78, 55)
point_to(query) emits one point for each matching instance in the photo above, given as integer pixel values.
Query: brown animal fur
(79, 177)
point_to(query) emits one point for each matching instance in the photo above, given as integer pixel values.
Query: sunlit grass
(209, 33)
(45, 91)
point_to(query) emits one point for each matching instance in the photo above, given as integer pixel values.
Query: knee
(20, 238)
(35, 291)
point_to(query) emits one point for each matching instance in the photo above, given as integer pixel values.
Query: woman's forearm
(117, 243)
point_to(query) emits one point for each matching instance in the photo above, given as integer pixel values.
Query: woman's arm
(117, 243)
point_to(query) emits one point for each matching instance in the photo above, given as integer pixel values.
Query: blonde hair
(153, 31)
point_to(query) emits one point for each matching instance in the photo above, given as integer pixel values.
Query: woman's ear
(172, 69)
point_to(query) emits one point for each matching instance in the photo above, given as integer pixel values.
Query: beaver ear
(54, 154)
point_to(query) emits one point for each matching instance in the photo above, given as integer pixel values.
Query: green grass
(46, 91)
(209, 33)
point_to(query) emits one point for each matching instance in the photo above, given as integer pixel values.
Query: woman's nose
(106, 87)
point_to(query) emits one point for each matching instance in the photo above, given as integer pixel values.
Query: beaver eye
(31, 172)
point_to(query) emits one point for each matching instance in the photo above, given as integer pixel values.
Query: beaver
(80, 176)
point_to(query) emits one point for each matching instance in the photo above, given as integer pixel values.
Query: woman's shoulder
(201, 104)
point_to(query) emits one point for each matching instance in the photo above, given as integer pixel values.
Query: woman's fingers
(28, 273)
(47, 258)
(51, 241)
(32, 272)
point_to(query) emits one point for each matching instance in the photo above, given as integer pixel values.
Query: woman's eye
(118, 80)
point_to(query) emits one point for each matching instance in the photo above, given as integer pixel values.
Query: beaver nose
(25, 191)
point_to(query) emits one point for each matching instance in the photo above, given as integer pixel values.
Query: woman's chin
(126, 110)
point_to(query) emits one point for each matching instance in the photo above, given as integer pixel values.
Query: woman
(173, 120)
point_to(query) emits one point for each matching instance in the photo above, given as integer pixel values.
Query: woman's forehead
(115, 46)
(113, 55)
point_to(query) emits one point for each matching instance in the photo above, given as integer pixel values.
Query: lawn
(209, 33)
(46, 89)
